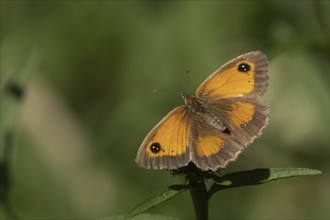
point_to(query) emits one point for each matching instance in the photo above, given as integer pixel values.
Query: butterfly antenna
(187, 82)
(163, 90)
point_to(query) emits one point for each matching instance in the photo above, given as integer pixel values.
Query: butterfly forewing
(244, 75)
(166, 146)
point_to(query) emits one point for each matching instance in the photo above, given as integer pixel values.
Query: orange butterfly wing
(232, 95)
(231, 79)
(166, 145)
(244, 119)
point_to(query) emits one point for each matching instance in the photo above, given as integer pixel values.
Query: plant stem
(199, 196)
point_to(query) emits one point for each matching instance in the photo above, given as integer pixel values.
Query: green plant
(201, 195)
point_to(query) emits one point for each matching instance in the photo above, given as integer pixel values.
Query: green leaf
(156, 199)
(256, 176)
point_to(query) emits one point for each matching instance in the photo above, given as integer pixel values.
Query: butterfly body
(216, 124)
(199, 108)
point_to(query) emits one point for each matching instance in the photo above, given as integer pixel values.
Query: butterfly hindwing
(244, 120)
(247, 118)
(208, 144)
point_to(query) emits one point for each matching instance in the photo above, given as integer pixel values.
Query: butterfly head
(187, 99)
(185, 95)
(192, 103)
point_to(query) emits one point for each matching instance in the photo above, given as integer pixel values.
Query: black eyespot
(155, 147)
(242, 126)
(244, 67)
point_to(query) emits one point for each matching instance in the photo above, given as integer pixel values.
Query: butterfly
(213, 126)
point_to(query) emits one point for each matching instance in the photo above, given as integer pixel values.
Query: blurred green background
(89, 68)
